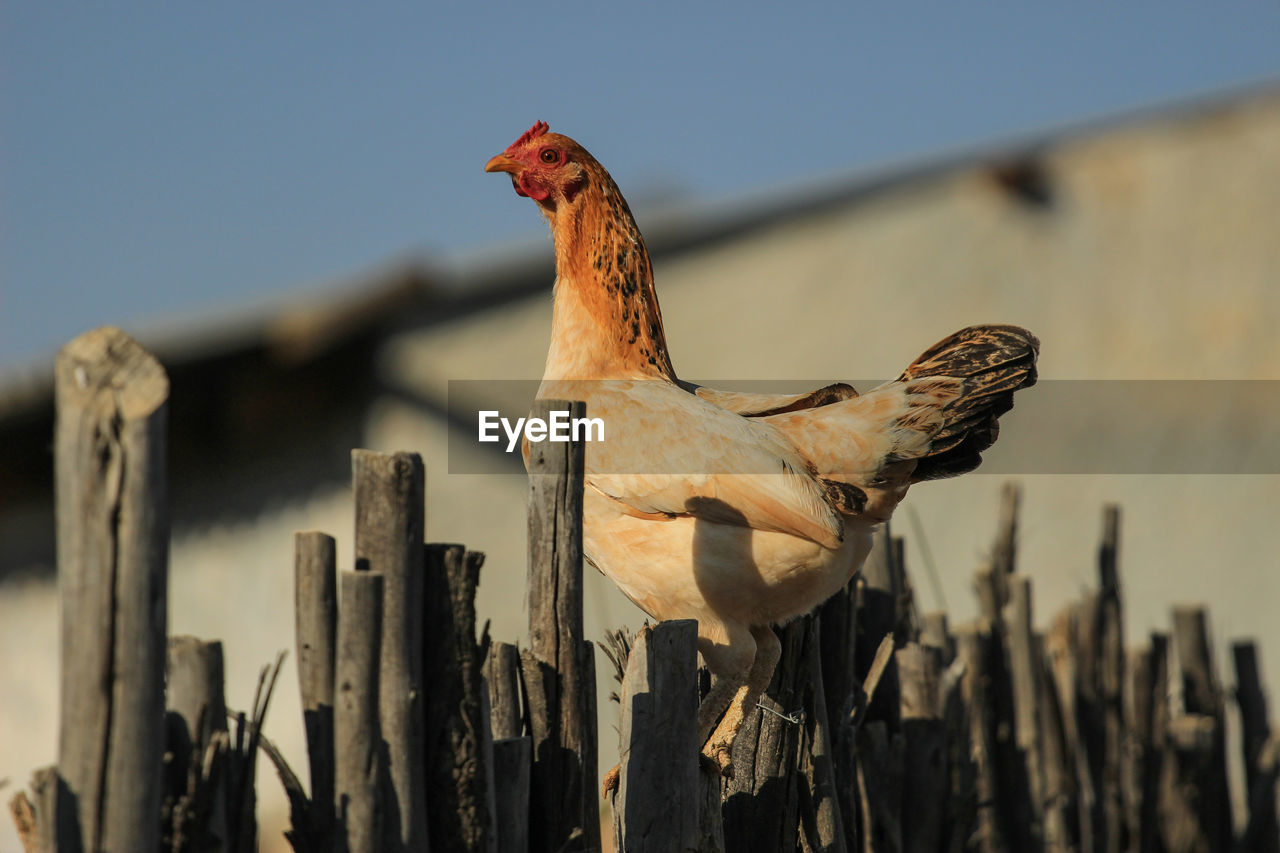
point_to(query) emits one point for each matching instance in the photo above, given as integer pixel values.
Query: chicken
(741, 511)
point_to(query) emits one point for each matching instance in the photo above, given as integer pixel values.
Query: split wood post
(925, 773)
(1200, 744)
(1151, 716)
(357, 741)
(1088, 720)
(316, 626)
(195, 698)
(1111, 678)
(512, 750)
(972, 647)
(821, 818)
(761, 805)
(113, 547)
(457, 718)
(659, 787)
(390, 512)
(839, 620)
(1008, 760)
(559, 666)
(512, 763)
(877, 616)
(1024, 672)
(1255, 726)
(502, 674)
(1056, 769)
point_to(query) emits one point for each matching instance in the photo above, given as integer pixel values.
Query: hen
(741, 511)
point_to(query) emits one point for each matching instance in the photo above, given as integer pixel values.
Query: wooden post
(389, 535)
(1110, 685)
(761, 807)
(357, 759)
(316, 615)
(972, 647)
(198, 740)
(1024, 671)
(559, 669)
(877, 616)
(1255, 727)
(659, 787)
(1200, 743)
(502, 673)
(925, 772)
(821, 818)
(113, 545)
(457, 722)
(839, 620)
(512, 763)
(1148, 726)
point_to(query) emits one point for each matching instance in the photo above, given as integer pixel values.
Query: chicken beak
(502, 163)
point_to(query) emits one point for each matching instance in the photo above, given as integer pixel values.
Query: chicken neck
(606, 322)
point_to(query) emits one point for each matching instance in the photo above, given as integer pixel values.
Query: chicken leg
(734, 698)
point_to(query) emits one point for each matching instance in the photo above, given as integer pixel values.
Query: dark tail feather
(994, 361)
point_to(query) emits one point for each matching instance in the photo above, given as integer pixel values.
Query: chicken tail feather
(994, 362)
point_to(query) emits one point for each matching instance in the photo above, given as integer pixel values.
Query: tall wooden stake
(113, 550)
(559, 671)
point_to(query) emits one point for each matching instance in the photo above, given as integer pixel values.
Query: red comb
(534, 132)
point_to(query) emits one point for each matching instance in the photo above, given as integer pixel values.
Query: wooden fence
(885, 729)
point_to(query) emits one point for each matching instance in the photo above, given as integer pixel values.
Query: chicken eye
(549, 155)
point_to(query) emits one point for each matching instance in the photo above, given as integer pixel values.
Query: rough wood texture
(512, 763)
(456, 720)
(1255, 726)
(197, 727)
(925, 776)
(821, 820)
(502, 672)
(1200, 743)
(878, 615)
(839, 620)
(389, 535)
(357, 774)
(1024, 671)
(113, 545)
(659, 789)
(1110, 688)
(559, 668)
(972, 647)
(761, 806)
(316, 626)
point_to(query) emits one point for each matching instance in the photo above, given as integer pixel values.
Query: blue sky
(161, 159)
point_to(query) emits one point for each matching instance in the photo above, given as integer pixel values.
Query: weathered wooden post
(512, 750)
(199, 741)
(457, 723)
(113, 550)
(659, 787)
(390, 520)
(925, 773)
(559, 670)
(316, 626)
(357, 760)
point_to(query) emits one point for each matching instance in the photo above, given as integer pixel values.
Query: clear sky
(160, 159)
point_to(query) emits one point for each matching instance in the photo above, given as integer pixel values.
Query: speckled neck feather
(607, 320)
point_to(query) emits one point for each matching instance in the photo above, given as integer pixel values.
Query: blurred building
(1138, 248)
